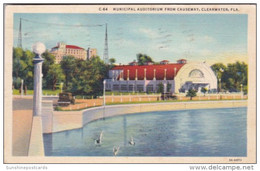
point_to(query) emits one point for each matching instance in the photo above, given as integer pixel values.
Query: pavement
(22, 123)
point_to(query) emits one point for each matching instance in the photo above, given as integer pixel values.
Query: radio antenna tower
(105, 55)
(19, 44)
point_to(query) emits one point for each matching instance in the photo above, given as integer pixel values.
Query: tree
(22, 67)
(237, 73)
(112, 61)
(232, 75)
(84, 77)
(219, 69)
(68, 67)
(55, 75)
(204, 90)
(49, 61)
(191, 93)
(143, 58)
(160, 88)
(99, 72)
(17, 55)
(80, 82)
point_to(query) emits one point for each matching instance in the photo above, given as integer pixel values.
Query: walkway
(22, 122)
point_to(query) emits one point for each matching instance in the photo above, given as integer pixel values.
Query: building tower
(19, 44)
(105, 55)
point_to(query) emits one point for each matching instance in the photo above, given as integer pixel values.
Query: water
(203, 132)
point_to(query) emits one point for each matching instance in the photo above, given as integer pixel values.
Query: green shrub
(58, 108)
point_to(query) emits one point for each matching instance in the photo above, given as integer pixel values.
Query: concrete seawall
(67, 120)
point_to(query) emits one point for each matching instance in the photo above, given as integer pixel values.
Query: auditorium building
(175, 77)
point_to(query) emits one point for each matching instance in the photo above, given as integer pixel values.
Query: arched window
(196, 73)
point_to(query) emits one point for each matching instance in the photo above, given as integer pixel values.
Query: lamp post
(38, 49)
(219, 80)
(104, 93)
(113, 75)
(221, 70)
(241, 90)
(22, 87)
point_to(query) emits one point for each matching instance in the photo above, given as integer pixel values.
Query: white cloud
(148, 32)
(227, 57)
(124, 43)
(205, 52)
(207, 39)
(55, 19)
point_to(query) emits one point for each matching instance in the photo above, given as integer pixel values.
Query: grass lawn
(30, 92)
(116, 93)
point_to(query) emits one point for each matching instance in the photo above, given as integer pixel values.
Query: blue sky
(195, 37)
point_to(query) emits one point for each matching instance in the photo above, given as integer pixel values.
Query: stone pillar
(36, 146)
(165, 70)
(144, 86)
(136, 74)
(38, 48)
(127, 74)
(122, 75)
(154, 74)
(164, 86)
(113, 75)
(127, 88)
(145, 74)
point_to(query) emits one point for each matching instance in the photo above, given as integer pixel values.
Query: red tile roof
(165, 61)
(70, 47)
(149, 71)
(73, 47)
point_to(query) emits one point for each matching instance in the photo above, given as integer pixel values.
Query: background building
(65, 50)
(175, 77)
(91, 52)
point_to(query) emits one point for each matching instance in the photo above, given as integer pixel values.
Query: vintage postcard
(130, 83)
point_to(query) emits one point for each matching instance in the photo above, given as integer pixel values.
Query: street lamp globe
(38, 48)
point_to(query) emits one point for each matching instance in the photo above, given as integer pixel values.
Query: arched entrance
(195, 76)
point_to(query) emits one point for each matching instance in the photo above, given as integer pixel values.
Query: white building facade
(173, 77)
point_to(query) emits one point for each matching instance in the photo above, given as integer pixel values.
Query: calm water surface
(203, 132)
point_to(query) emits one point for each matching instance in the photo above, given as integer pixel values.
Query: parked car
(66, 99)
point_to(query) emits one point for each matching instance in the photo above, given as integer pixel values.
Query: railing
(86, 103)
